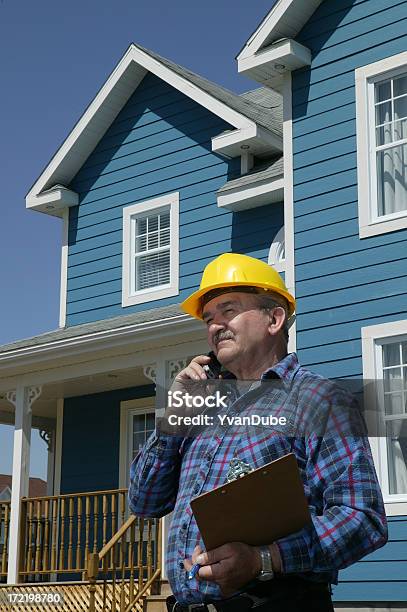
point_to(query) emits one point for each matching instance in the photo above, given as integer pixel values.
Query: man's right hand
(190, 380)
(194, 370)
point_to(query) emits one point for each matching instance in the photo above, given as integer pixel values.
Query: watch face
(265, 576)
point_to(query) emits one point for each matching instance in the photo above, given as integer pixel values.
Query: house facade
(163, 172)
(342, 68)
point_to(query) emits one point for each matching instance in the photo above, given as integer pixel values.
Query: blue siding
(342, 282)
(159, 143)
(90, 440)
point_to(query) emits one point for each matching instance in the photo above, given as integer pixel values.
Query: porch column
(161, 373)
(22, 398)
(165, 372)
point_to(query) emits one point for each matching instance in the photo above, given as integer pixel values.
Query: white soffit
(269, 66)
(284, 21)
(102, 111)
(253, 194)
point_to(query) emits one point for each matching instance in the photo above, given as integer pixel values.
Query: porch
(83, 549)
(86, 389)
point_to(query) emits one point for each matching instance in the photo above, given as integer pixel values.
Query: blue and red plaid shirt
(340, 483)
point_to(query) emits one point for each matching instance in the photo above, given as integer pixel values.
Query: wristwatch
(266, 572)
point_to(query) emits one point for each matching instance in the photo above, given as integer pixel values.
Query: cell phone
(214, 367)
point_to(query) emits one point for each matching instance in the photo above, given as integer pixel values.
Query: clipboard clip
(237, 469)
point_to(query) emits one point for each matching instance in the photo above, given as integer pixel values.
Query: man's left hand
(231, 566)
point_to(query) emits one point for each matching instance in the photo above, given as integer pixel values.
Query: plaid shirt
(340, 483)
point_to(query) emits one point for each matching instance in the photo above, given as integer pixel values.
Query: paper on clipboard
(267, 504)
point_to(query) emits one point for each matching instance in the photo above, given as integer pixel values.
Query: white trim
(20, 476)
(64, 268)
(58, 446)
(289, 266)
(285, 20)
(253, 195)
(152, 330)
(154, 293)
(54, 200)
(274, 251)
(371, 337)
(246, 162)
(101, 112)
(142, 405)
(136, 351)
(269, 66)
(367, 194)
(257, 138)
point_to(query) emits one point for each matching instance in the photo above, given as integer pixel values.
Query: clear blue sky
(54, 56)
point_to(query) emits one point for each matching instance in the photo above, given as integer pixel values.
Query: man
(246, 308)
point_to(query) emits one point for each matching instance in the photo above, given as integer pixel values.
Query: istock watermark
(340, 408)
(177, 399)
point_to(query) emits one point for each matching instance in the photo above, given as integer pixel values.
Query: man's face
(237, 329)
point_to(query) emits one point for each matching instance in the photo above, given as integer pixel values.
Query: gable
(272, 51)
(159, 143)
(249, 124)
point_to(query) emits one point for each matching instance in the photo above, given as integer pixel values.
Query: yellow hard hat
(235, 270)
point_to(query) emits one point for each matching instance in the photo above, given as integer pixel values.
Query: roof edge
(105, 106)
(285, 20)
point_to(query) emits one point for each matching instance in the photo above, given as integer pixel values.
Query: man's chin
(225, 352)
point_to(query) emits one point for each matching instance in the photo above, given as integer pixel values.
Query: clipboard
(260, 507)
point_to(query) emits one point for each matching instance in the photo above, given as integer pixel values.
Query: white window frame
(373, 337)
(278, 244)
(365, 78)
(171, 289)
(144, 405)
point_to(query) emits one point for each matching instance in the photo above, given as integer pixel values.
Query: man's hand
(231, 566)
(188, 383)
(194, 370)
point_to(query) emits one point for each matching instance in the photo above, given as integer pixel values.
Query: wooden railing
(58, 532)
(130, 564)
(4, 536)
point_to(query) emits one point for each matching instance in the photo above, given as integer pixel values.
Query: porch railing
(58, 532)
(129, 565)
(4, 536)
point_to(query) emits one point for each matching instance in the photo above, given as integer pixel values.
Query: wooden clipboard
(258, 508)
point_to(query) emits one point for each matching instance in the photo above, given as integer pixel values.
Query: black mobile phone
(213, 368)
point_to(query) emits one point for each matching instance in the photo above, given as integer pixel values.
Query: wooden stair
(156, 603)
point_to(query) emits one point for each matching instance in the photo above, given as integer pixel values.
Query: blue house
(164, 171)
(341, 67)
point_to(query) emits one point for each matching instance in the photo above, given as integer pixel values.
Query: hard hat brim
(192, 305)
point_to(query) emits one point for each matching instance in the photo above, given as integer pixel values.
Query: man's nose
(217, 324)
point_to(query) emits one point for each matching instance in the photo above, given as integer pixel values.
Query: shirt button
(196, 490)
(181, 565)
(184, 526)
(209, 457)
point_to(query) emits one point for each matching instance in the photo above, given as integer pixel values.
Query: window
(385, 359)
(276, 256)
(150, 250)
(381, 112)
(141, 425)
(137, 422)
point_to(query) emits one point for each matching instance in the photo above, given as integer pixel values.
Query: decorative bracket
(33, 393)
(48, 436)
(150, 371)
(176, 365)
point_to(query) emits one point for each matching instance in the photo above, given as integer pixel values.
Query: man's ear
(276, 320)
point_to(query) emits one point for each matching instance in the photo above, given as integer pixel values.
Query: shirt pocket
(262, 448)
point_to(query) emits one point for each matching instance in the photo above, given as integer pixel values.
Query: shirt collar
(284, 369)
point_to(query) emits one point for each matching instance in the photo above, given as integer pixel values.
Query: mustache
(222, 335)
